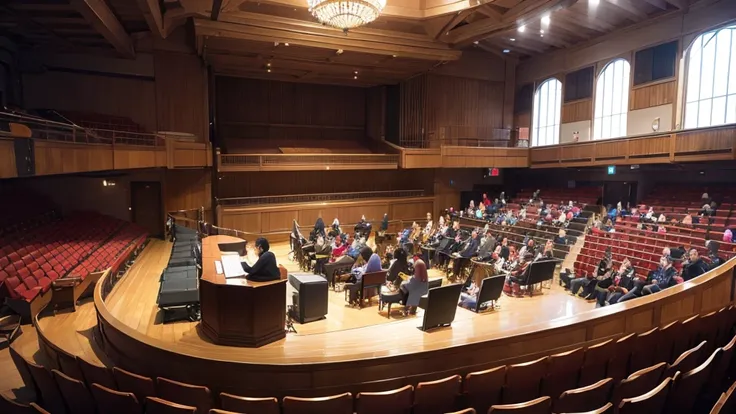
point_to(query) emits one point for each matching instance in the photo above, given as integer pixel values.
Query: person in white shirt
(662, 218)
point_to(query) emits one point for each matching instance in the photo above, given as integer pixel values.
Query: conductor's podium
(238, 312)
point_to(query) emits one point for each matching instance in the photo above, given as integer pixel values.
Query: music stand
(238, 247)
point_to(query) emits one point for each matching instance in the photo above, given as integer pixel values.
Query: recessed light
(541, 31)
(268, 65)
(355, 72)
(475, 43)
(506, 51)
(512, 39)
(268, 70)
(522, 28)
(286, 44)
(355, 77)
(546, 19)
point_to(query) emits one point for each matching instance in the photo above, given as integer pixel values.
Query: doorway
(623, 191)
(146, 208)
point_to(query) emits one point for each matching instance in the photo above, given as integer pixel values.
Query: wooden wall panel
(8, 167)
(413, 113)
(577, 111)
(134, 98)
(128, 156)
(375, 112)
(469, 157)
(523, 120)
(312, 182)
(463, 102)
(653, 95)
(64, 158)
(262, 109)
(181, 94)
(187, 189)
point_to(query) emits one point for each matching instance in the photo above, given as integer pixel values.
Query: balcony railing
(276, 162)
(314, 198)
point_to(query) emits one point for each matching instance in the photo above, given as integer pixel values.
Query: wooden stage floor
(346, 334)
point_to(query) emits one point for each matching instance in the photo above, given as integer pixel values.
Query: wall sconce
(108, 183)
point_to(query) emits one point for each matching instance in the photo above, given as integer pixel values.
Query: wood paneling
(187, 189)
(184, 154)
(523, 120)
(63, 158)
(375, 112)
(413, 112)
(266, 219)
(577, 111)
(705, 144)
(181, 94)
(317, 182)
(469, 157)
(8, 167)
(134, 98)
(262, 109)
(129, 156)
(421, 158)
(653, 95)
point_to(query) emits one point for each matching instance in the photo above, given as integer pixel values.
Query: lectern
(238, 312)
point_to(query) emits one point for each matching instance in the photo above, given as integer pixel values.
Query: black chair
(538, 272)
(332, 270)
(441, 306)
(490, 291)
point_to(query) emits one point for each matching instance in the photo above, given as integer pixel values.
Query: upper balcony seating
(77, 245)
(579, 195)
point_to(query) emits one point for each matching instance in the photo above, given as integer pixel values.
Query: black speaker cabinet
(310, 298)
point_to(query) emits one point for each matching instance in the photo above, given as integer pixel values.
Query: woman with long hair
(415, 287)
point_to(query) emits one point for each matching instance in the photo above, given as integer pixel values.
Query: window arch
(612, 100)
(710, 98)
(546, 114)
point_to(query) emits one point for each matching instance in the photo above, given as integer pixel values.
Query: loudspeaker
(310, 298)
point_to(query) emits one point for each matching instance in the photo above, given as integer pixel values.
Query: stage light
(522, 28)
(546, 20)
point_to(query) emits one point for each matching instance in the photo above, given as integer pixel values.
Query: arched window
(612, 100)
(546, 115)
(710, 98)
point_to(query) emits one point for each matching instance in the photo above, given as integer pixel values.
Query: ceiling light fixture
(594, 2)
(506, 51)
(546, 20)
(512, 39)
(346, 14)
(476, 42)
(522, 28)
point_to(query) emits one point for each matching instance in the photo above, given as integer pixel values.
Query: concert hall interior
(367, 206)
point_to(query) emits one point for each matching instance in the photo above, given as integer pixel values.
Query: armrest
(66, 282)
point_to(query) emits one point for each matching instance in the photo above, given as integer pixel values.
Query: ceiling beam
(216, 7)
(152, 13)
(525, 11)
(99, 15)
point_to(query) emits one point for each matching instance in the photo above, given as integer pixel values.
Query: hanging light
(346, 14)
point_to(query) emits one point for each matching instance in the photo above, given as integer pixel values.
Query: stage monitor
(238, 247)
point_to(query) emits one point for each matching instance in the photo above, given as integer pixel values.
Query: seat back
(373, 279)
(68, 365)
(398, 401)
(441, 306)
(618, 365)
(687, 388)
(465, 411)
(284, 274)
(490, 290)
(155, 405)
(96, 374)
(563, 371)
(727, 402)
(9, 406)
(687, 361)
(686, 335)
(596, 361)
(651, 402)
(667, 337)
(110, 401)
(22, 366)
(75, 393)
(139, 385)
(644, 352)
(335, 404)
(523, 381)
(638, 383)
(540, 271)
(437, 396)
(719, 371)
(50, 395)
(541, 405)
(182, 393)
(586, 398)
(249, 405)
(483, 389)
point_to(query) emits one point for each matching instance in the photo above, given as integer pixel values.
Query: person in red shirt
(339, 248)
(486, 201)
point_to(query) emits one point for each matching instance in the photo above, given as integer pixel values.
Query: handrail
(316, 160)
(302, 198)
(45, 129)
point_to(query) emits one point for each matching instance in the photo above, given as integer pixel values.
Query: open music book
(231, 265)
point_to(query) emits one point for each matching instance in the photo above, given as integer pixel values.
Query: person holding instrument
(264, 269)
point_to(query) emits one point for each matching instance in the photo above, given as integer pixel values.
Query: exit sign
(611, 169)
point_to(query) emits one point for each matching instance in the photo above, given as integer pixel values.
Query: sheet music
(231, 265)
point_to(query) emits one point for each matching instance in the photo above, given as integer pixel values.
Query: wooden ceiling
(280, 39)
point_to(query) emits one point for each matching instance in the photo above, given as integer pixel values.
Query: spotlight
(522, 28)
(546, 20)
(512, 39)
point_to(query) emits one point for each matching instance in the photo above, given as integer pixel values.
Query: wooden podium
(238, 312)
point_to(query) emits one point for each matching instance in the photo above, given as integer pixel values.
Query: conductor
(265, 268)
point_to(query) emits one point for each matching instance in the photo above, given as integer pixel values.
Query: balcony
(306, 162)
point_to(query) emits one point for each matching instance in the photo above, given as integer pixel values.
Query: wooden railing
(300, 162)
(311, 198)
(702, 144)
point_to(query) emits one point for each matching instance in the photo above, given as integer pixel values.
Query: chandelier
(346, 14)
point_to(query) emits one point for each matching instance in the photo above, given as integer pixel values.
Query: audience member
(372, 265)
(609, 291)
(715, 260)
(397, 265)
(662, 278)
(415, 287)
(694, 266)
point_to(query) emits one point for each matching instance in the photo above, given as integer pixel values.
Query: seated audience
(487, 246)
(265, 268)
(415, 287)
(463, 256)
(589, 283)
(547, 252)
(688, 219)
(529, 247)
(397, 265)
(372, 265)
(694, 266)
(728, 236)
(662, 278)
(715, 260)
(609, 291)
(384, 223)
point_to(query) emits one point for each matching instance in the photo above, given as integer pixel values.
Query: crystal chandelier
(346, 14)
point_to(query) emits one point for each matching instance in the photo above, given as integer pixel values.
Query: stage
(352, 349)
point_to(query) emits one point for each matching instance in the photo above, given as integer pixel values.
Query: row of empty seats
(669, 369)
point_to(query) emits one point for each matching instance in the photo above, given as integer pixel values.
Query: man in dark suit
(265, 268)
